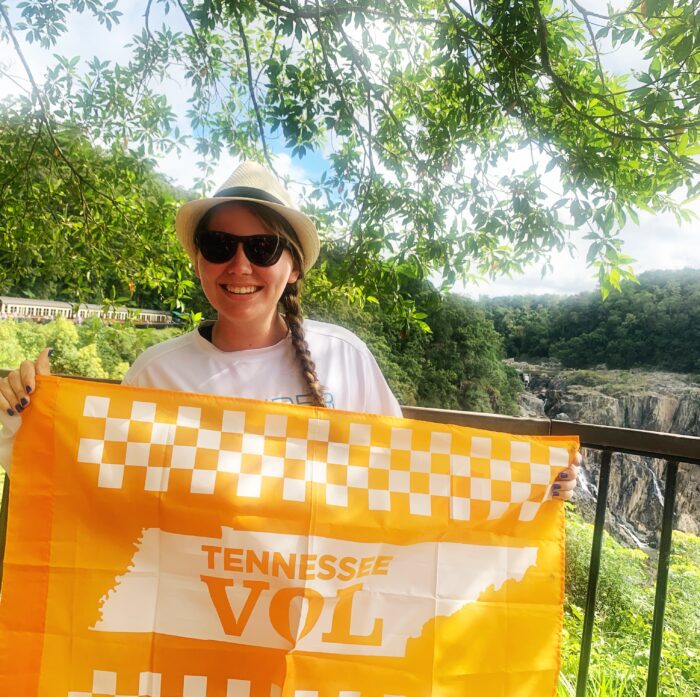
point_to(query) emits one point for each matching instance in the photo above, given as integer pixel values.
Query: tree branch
(251, 86)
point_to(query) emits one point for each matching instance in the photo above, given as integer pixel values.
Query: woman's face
(242, 293)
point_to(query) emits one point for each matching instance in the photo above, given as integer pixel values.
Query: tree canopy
(464, 137)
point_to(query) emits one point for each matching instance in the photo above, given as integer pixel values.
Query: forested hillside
(653, 324)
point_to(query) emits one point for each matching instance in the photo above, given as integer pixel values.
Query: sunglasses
(219, 247)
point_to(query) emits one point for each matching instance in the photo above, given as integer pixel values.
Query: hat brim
(190, 213)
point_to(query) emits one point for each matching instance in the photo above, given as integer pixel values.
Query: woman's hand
(19, 384)
(563, 488)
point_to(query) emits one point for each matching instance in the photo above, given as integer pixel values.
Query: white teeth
(241, 290)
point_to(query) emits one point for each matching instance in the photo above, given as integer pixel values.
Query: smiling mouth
(241, 290)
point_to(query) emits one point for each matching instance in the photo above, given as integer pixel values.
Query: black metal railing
(672, 448)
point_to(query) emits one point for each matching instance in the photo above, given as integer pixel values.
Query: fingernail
(10, 412)
(24, 401)
(18, 408)
(556, 493)
(28, 389)
(50, 352)
(564, 475)
(557, 486)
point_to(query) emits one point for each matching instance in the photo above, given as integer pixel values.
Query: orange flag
(167, 544)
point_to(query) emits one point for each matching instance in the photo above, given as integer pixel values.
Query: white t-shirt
(348, 372)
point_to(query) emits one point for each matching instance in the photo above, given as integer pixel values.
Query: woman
(250, 248)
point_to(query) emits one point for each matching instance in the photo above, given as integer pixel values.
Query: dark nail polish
(28, 389)
(24, 401)
(557, 486)
(556, 493)
(10, 412)
(18, 408)
(564, 475)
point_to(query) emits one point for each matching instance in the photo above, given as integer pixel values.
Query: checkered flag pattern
(104, 684)
(376, 462)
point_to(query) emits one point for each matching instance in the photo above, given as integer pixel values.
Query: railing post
(657, 628)
(593, 573)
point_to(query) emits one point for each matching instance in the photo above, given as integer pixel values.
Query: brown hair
(289, 301)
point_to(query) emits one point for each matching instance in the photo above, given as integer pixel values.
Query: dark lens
(263, 250)
(216, 247)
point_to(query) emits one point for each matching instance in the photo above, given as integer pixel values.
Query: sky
(657, 242)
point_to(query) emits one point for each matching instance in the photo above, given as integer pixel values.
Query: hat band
(248, 192)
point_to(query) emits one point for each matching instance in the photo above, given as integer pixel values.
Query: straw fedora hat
(250, 182)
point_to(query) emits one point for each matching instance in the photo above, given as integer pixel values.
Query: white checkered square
(229, 461)
(481, 447)
(539, 474)
(143, 411)
(349, 693)
(336, 495)
(481, 489)
(110, 476)
(379, 500)
(460, 508)
(379, 457)
(419, 504)
(440, 442)
(319, 429)
(358, 477)
(90, 450)
(316, 471)
(439, 484)
(272, 466)
(149, 684)
(338, 453)
(296, 449)
(189, 417)
(294, 490)
(460, 466)
(360, 434)
(497, 509)
(104, 682)
(275, 426)
(305, 693)
(233, 422)
(520, 491)
(117, 430)
(528, 510)
(237, 688)
(194, 686)
(157, 478)
(520, 451)
(249, 485)
(163, 434)
(183, 457)
(399, 481)
(207, 438)
(96, 406)
(558, 457)
(401, 438)
(420, 461)
(137, 454)
(501, 470)
(203, 481)
(253, 444)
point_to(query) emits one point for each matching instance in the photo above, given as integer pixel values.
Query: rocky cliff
(649, 401)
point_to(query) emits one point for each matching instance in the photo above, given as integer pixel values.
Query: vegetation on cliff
(652, 324)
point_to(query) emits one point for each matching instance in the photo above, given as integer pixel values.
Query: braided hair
(294, 319)
(289, 301)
